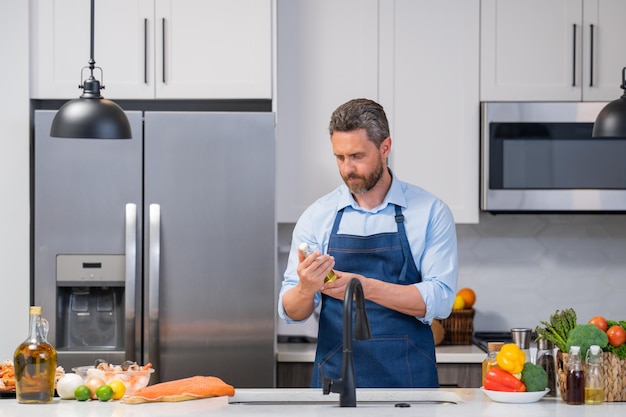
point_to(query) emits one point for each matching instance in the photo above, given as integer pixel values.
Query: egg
(67, 385)
(94, 383)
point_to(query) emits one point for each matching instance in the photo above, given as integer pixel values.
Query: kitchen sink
(364, 396)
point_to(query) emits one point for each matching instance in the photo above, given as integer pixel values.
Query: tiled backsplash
(525, 267)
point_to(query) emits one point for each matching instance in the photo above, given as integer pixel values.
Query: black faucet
(346, 385)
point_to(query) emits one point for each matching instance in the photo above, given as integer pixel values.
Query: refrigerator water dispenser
(90, 302)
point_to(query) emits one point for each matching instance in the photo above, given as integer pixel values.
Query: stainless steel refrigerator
(160, 248)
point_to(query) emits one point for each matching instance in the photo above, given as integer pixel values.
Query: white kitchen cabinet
(327, 54)
(419, 59)
(556, 50)
(164, 49)
(429, 84)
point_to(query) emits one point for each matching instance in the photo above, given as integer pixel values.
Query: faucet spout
(346, 385)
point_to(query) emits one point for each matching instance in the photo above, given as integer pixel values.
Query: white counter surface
(474, 404)
(305, 352)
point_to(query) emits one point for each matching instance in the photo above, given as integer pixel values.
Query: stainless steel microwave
(540, 157)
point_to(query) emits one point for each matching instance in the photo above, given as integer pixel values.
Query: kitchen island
(474, 403)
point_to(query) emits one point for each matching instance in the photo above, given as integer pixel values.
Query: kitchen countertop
(475, 404)
(305, 352)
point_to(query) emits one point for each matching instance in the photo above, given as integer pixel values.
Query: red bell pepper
(500, 380)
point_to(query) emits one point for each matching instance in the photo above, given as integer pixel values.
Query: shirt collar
(394, 196)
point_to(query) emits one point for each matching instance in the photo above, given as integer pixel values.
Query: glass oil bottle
(490, 361)
(35, 363)
(594, 381)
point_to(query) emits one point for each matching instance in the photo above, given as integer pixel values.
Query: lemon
(119, 389)
(104, 393)
(459, 303)
(82, 393)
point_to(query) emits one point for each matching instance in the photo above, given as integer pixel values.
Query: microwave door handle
(591, 55)
(130, 256)
(154, 256)
(574, 57)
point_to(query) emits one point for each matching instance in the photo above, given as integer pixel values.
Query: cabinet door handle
(591, 55)
(163, 47)
(574, 58)
(145, 51)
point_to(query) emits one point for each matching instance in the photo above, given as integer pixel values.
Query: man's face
(361, 164)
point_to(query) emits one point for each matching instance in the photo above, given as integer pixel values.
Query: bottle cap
(543, 344)
(595, 349)
(35, 310)
(574, 349)
(521, 337)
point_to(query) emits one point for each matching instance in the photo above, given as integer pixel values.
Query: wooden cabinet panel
(459, 375)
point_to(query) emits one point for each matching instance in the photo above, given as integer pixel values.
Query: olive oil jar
(35, 363)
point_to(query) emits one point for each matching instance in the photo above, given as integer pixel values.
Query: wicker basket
(613, 370)
(459, 327)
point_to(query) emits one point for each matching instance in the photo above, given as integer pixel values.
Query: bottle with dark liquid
(575, 378)
(35, 363)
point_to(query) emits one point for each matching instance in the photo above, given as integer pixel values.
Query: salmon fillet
(181, 390)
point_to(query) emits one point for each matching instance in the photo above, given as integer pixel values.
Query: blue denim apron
(401, 352)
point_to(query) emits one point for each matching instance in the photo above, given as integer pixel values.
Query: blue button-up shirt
(430, 230)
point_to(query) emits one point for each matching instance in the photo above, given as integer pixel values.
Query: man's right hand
(312, 270)
(299, 300)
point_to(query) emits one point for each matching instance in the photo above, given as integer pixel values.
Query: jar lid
(543, 344)
(494, 346)
(35, 310)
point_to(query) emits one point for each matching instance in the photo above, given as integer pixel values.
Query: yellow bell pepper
(511, 358)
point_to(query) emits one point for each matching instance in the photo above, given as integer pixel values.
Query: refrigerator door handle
(130, 253)
(154, 257)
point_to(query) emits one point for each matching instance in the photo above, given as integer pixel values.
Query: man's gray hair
(361, 113)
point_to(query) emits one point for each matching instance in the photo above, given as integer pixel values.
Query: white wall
(525, 267)
(14, 175)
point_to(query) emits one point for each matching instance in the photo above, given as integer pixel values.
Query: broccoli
(585, 335)
(534, 377)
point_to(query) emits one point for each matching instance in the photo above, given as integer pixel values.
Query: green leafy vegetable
(610, 323)
(559, 327)
(619, 351)
(535, 377)
(585, 335)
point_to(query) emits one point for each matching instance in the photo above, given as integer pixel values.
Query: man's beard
(366, 183)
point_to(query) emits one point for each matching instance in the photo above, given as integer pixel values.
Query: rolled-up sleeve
(438, 264)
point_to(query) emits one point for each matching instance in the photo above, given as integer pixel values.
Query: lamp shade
(91, 117)
(611, 121)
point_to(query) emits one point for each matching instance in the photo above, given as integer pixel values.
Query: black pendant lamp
(91, 116)
(611, 121)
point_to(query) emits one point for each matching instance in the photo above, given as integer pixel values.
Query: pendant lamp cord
(92, 62)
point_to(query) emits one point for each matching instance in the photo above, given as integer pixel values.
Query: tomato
(600, 322)
(617, 335)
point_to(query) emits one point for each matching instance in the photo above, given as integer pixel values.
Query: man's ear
(385, 146)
